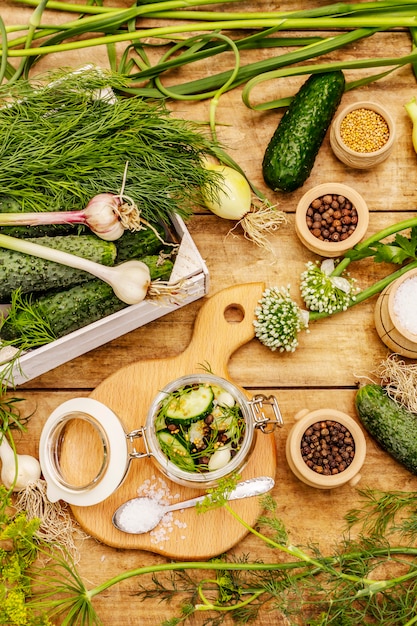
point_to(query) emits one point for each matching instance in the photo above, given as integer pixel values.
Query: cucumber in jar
(189, 404)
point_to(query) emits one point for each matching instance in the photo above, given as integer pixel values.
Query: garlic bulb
(18, 470)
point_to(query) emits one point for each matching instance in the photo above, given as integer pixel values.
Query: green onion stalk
(96, 25)
(328, 289)
(114, 26)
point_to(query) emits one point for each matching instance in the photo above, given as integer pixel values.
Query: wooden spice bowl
(304, 419)
(331, 249)
(354, 158)
(387, 323)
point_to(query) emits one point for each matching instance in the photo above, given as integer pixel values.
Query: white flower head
(279, 320)
(323, 292)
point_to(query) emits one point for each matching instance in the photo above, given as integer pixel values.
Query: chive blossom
(279, 320)
(323, 292)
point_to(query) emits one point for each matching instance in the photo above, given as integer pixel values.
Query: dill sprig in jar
(362, 135)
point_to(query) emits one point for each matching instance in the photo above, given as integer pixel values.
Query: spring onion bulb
(130, 281)
(17, 470)
(231, 199)
(107, 215)
(411, 108)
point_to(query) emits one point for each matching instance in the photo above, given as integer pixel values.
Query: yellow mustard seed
(364, 130)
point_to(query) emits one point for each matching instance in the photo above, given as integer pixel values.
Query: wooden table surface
(330, 360)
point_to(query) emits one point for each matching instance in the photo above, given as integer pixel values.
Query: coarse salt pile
(158, 489)
(405, 305)
(144, 515)
(140, 515)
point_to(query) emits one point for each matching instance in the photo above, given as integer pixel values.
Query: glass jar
(86, 479)
(252, 413)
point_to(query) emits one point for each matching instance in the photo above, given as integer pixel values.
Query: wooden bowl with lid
(324, 246)
(362, 135)
(305, 421)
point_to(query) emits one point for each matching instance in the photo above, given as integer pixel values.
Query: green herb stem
(187, 565)
(210, 606)
(331, 10)
(377, 237)
(296, 20)
(96, 9)
(369, 292)
(364, 19)
(75, 8)
(246, 72)
(324, 564)
(234, 24)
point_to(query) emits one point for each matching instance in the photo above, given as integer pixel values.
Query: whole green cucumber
(59, 313)
(62, 312)
(389, 423)
(31, 274)
(292, 150)
(135, 244)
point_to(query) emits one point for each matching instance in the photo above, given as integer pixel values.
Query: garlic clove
(219, 459)
(225, 399)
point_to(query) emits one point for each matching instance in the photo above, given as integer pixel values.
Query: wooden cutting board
(224, 323)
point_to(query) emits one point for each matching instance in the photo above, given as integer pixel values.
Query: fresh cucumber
(389, 423)
(57, 314)
(189, 404)
(135, 244)
(292, 150)
(67, 310)
(159, 268)
(44, 230)
(31, 274)
(175, 451)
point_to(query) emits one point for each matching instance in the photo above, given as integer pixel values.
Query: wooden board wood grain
(325, 367)
(224, 324)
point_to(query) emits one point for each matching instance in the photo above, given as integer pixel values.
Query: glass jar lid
(71, 474)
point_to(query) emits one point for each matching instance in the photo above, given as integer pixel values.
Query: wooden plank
(252, 364)
(330, 360)
(310, 515)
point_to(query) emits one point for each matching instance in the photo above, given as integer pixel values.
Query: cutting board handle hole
(234, 314)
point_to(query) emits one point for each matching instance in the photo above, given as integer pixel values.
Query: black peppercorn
(330, 448)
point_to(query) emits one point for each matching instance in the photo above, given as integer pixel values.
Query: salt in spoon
(142, 514)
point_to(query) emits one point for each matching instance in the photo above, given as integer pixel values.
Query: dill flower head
(279, 320)
(323, 292)
(14, 607)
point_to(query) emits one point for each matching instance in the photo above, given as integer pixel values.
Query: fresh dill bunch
(10, 415)
(219, 495)
(15, 566)
(26, 325)
(271, 522)
(385, 513)
(63, 143)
